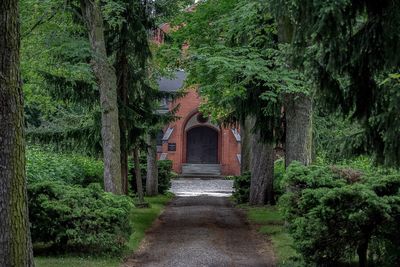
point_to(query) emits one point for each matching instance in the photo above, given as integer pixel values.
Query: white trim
(167, 134)
(163, 156)
(236, 134)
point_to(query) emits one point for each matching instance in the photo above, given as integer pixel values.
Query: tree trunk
(298, 117)
(123, 87)
(15, 240)
(107, 81)
(245, 150)
(138, 175)
(362, 253)
(298, 112)
(152, 170)
(262, 172)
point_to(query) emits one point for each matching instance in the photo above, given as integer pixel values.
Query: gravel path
(200, 187)
(202, 230)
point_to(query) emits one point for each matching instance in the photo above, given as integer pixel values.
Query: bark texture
(107, 81)
(298, 117)
(262, 172)
(152, 170)
(245, 146)
(138, 175)
(122, 68)
(298, 112)
(15, 242)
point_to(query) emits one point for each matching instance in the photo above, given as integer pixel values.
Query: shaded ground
(202, 230)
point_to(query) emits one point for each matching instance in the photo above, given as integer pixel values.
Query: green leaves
(236, 60)
(82, 220)
(349, 49)
(330, 214)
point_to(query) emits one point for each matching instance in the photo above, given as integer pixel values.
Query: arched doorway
(202, 145)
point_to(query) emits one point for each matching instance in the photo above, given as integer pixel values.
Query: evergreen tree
(243, 75)
(15, 240)
(349, 48)
(107, 81)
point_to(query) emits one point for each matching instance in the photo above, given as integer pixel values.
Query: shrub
(165, 174)
(71, 168)
(76, 219)
(241, 184)
(279, 173)
(336, 212)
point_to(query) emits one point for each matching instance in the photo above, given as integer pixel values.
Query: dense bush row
(44, 165)
(68, 208)
(75, 219)
(336, 213)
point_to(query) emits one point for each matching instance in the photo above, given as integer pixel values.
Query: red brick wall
(228, 146)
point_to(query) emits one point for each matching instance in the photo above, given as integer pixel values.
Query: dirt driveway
(202, 230)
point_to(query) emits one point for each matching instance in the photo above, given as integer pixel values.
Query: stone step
(201, 177)
(201, 169)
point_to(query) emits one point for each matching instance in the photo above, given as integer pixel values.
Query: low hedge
(75, 219)
(45, 165)
(335, 213)
(241, 186)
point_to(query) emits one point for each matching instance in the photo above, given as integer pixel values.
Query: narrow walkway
(202, 230)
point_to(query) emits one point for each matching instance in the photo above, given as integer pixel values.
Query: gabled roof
(172, 84)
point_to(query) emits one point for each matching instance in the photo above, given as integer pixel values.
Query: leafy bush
(165, 174)
(71, 168)
(279, 173)
(336, 212)
(72, 218)
(241, 184)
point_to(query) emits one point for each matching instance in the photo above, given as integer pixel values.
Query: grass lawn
(141, 220)
(270, 223)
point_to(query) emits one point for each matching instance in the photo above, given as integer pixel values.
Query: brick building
(195, 145)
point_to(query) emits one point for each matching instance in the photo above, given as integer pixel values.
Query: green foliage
(337, 138)
(236, 59)
(165, 174)
(279, 174)
(334, 212)
(76, 219)
(241, 185)
(143, 219)
(349, 49)
(271, 224)
(75, 169)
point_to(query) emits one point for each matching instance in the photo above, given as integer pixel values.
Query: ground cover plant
(82, 220)
(141, 219)
(72, 215)
(338, 215)
(72, 168)
(269, 221)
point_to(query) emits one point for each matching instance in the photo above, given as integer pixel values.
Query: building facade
(193, 142)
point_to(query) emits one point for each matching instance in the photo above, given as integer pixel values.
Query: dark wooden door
(202, 146)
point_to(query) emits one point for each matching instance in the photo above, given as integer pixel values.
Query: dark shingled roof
(173, 84)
